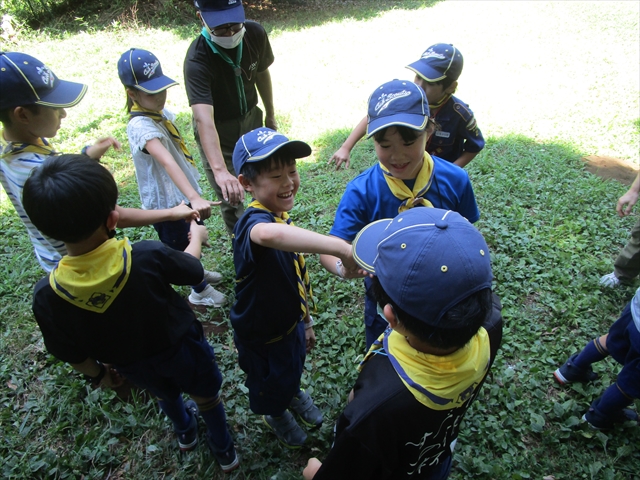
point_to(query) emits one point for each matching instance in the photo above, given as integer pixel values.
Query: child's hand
(341, 156)
(101, 146)
(198, 233)
(313, 465)
(350, 269)
(111, 379)
(310, 337)
(203, 207)
(183, 212)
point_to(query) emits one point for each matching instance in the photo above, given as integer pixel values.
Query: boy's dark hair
(407, 134)
(445, 82)
(456, 327)
(129, 104)
(69, 197)
(5, 118)
(251, 170)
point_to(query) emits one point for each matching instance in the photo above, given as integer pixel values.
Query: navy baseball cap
(263, 142)
(25, 80)
(427, 260)
(141, 69)
(400, 103)
(439, 61)
(220, 12)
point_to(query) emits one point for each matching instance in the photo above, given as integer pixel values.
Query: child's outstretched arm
(629, 199)
(313, 465)
(342, 155)
(198, 236)
(295, 239)
(164, 158)
(99, 148)
(104, 375)
(136, 217)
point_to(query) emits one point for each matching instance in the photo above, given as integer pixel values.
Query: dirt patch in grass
(611, 168)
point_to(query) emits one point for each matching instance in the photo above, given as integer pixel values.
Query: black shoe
(227, 458)
(188, 438)
(569, 373)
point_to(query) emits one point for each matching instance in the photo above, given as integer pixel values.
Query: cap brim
(296, 148)
(66, 94)
(416, 122)
(216, 18)
(156, 85)
(426, 72)
(365, 245)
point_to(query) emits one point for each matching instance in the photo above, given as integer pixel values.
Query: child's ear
(131, 93)
(112, 220)
(20, 115)
(245, 182)
(390, 315)
(452, 87)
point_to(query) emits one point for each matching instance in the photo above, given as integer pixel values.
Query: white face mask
(229, 42)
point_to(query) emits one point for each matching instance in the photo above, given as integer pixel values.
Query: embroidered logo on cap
(150, 68)
(45, 75)
(264, 136)
(386, 98)
(430, 53)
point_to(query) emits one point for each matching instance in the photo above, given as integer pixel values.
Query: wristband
(95, 381)
(339, 269)
(309, 324)
(84, 150)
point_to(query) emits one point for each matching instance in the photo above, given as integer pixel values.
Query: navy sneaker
(188, 438)
(227, 458)
(302, 404)
(286, 429)
(598, 421)
(569, 373)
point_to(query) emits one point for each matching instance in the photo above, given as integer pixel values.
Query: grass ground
(549, 82)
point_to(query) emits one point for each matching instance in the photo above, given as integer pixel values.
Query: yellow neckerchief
(138, 111)
(439, 104)
(93, 281)
(42, 147)
(438, 382)
(304, 283)
(411, 198)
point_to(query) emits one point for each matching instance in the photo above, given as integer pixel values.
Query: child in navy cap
(406, 176)
(166, 172)
(623, 344)
(32, 106)
(458, 138)
(271, 318)
(432, 281)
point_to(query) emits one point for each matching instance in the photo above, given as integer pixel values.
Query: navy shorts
(189, 367)
(623, 344)
(273, 370)
(174, 234)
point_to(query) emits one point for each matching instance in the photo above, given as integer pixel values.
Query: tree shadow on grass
(179, 15)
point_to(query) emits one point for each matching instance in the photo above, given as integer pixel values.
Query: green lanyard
(235, 65)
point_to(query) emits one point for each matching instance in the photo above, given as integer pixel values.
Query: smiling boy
(270, 318)
(405, 177)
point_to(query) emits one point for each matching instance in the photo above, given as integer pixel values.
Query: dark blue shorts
(273, 370)
(174, 234)
(188, 367)
(623, 344)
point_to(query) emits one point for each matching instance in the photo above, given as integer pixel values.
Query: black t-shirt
(385, 433)
(210, 80)
(147, 317)
(267, 299)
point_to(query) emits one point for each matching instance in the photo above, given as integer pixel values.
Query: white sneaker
(610, 280)
(212, 278)
(209, 297)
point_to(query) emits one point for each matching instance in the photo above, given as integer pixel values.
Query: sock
(593, 352)
(612, 401)
(212, 412)
(200, 287)
(176, 412)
